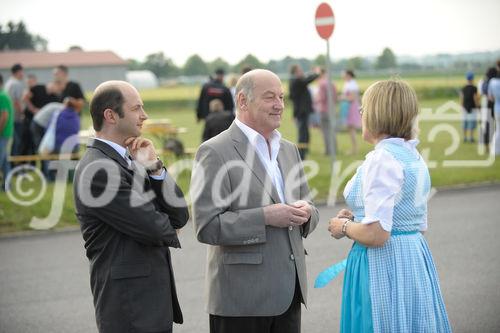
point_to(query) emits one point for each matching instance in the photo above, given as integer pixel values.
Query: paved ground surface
(44, 279)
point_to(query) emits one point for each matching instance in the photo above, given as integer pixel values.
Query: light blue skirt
(356, 301)
(393, 288)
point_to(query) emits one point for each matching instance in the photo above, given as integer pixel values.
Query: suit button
(290, 228)
(292, 257)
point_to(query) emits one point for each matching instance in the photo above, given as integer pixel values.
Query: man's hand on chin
(142, 151)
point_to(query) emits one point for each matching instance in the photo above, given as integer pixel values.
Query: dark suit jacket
(131, 273)
(300, 95)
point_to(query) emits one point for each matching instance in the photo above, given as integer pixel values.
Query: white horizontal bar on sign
(325, 21)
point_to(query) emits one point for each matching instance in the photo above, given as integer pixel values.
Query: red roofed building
(89, 68)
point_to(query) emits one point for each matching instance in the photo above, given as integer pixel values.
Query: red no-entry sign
(324, 20)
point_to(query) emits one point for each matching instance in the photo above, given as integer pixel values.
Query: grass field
(449, 165)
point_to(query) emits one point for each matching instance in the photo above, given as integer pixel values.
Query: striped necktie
(128, 158)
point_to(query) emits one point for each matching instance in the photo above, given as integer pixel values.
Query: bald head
(248, 81)
(259, 95)
(108, 95)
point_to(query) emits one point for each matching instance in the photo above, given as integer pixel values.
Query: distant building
(89, 68)
(142, 79)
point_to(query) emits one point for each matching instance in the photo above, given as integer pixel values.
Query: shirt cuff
(161, 176)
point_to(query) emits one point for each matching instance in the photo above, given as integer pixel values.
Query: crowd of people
(30, 109)
(251, 206)
(256, 237)
(309, 106)
(482, 101)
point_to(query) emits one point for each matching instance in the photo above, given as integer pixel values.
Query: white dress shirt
(268, 159)
(122, 151)
(382, 179)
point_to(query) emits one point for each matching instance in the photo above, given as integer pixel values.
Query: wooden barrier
(49, 157)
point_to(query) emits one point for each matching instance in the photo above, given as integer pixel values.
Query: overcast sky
(269, 29)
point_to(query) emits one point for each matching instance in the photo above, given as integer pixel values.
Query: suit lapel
(249, 155)
(284, 164)
(109, 151)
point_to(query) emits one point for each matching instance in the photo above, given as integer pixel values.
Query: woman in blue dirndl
(390, 282)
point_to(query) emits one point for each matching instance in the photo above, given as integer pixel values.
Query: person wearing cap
(469, 100)
(214, 89)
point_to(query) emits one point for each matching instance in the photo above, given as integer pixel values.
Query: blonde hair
(390, 108)
(215, 105)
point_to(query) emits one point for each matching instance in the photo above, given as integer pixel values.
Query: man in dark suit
(129, 210)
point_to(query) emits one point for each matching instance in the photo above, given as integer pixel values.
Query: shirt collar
(399, 141)
(119, 149)
(254, 137)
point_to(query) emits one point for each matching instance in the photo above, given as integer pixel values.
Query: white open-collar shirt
(268, 158)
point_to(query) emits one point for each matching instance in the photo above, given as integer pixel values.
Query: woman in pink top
(350, 93)
(321, 106)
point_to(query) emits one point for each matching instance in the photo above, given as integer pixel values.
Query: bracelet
(344, 227)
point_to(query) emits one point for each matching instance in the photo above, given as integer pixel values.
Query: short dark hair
(16, 68)
(245, 69)
(491, 73)
(350, 72)
(107, 98)
(294, 68)
(63, 68)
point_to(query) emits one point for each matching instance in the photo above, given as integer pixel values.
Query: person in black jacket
(129, 210)
(217, 121)
(302, 104)
(211, 90)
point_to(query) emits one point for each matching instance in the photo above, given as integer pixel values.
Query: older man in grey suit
(251, 205)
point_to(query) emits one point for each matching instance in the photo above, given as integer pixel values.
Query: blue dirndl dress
(394, 288)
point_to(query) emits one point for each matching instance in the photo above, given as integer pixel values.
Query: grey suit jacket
(131, 273)
(251, 267)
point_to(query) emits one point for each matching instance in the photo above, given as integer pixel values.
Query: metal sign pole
(331, 109)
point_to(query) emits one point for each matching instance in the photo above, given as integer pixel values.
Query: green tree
(386, 60)
(320, 61)
(15, 36)
(355, 63)
(195, 66)
(134, 65)
(160, 65)
(218, 63)
(249, 61)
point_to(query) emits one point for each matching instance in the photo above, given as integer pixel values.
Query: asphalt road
(44, 280)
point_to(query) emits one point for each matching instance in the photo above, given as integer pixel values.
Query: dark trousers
(303, 129)
(17, 138)
(288, 322)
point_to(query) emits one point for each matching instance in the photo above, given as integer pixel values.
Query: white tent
(142, 79)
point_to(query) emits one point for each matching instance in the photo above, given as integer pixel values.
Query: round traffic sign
(324, 20)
